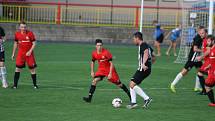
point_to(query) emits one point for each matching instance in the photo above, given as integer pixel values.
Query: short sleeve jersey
(103, 58)
(142, 48)
(24, 40)
(175, 34)
(197, 41)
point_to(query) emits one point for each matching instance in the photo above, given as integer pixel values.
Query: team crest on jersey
(27, 37)
(103, 57)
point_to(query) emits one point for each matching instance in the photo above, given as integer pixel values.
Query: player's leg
(92, 88)
(177, 79)
(3, 70)
(16, 77)
(202, 82)
(174, 47)
(115, 79)
(169, 48)
(209, 83)
(32, 66)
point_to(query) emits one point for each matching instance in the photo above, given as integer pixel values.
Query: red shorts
(210, 81)
(21, 59)
(105, 72)
(205, 64)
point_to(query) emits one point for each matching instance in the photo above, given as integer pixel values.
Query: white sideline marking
(45, 86)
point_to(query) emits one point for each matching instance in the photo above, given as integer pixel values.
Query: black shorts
(189, 65)
(139, 76)
(160, 38)
(2, 59)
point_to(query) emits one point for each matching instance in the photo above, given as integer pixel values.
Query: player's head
(98, 44)
(22, 26)
(210, 40)
(138, 37)
(202, 31)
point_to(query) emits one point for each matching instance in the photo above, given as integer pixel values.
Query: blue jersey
(175, 34)
(158, 31)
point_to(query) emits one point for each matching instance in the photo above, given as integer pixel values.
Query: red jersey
(24, 40)
(103, 58)
(212, 58)
(204, 48)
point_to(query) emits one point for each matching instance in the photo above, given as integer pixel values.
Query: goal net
(194, 14)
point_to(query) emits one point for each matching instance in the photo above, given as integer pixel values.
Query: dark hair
(201, 27)
(211, 37)
(138, 35)
(98, 41)
(206, 30)
(22, 22)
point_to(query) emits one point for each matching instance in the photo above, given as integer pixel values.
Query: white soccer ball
(117, 102)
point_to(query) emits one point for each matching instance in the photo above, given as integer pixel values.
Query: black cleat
(202, 93)
(87, 99)
(147, 102)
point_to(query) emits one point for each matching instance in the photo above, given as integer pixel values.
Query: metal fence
(90, 15)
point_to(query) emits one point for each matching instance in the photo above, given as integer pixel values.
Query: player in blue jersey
(173, 36)
(158, 36)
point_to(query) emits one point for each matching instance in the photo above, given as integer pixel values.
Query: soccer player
(145, 57)
(2, 59)
(174, 35)
(158, 36)
(25, 42)
(195, 51)
(105, 69)
(210, 81)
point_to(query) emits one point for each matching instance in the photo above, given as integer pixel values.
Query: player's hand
(12, 57)
(28, 53)
(109, 76)
(92, 74)
(199, 58)
(144, 67)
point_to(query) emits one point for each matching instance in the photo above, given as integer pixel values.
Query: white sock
(140, 92)
(177, 78)
(133, 95)
(197, 85)
(3, 75)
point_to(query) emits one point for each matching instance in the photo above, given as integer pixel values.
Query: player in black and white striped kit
(195, 51)
(2, 59)
(145, 57)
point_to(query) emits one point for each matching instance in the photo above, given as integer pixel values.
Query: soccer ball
(117, 102)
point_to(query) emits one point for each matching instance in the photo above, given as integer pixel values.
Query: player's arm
(92, 68)
(14, 49)
(111, 68)
(206, 53)
(196, 49)
(145, 57)
(168, 34)
(32, 48)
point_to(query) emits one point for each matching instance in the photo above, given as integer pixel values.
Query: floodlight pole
(210, 25)
(141, 17)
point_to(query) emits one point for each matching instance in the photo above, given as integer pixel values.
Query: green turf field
(64, 78)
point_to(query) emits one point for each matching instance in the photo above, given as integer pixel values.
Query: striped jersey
(197, 41)
(141, 50)
(2, 34)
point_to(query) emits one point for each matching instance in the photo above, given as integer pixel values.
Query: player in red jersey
(210, 81)
(105, 69)
(25, 42)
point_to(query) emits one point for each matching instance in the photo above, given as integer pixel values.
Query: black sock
(16, 78)
(211, 96)
(92, 90)
(202, 83)
(125, 89)
(34, 79)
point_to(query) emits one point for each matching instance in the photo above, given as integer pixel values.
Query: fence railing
(85, 14)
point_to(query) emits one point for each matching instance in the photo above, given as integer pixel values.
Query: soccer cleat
(132, 106)
(147, 102)
(172, 88)
(175, 54)
(211, 104)
(36, 87)
(197, 89)
(167, 53)
(5, 85)
(201, 93)
(87, 99)
(14, 87)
